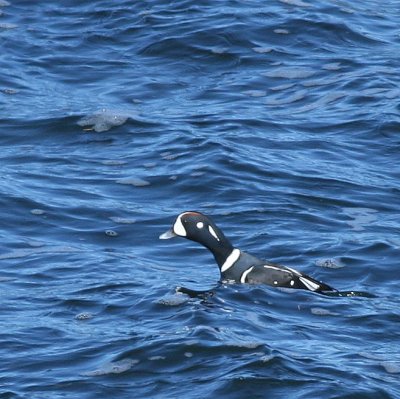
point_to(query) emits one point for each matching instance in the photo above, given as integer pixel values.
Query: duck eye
(200, 225)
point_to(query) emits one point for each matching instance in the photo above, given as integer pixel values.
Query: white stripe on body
(309, 284)
(230, 260)
(245, 273)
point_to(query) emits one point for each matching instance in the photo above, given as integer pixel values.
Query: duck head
(200, 228)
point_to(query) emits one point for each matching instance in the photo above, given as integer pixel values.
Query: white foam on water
(133, 181)
(104, 119)
(117, 367)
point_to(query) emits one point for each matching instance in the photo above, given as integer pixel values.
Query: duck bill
(167, 235)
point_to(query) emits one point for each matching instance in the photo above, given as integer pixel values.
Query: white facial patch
(179, 229)
(200, 225)
(213, 233)
(230, 260)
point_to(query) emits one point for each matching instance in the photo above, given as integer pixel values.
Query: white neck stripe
(230, 260)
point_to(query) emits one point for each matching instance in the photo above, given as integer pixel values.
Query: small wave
(26, 252)
(323, 312)
(133, 181)
(104, 119)
(84, 316)
(116, 367)
(298, 3)
(361, 217)
(122, 220)
(172, 300)
(330, 263)
(5, 25)
(284, 100)
(290, 73)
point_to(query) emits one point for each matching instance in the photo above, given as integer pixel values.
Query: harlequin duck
(234, 264)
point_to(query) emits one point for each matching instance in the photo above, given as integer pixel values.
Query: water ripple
(278, 119)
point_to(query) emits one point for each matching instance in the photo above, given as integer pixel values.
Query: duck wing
(281, 276)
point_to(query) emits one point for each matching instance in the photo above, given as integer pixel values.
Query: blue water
(280, 119)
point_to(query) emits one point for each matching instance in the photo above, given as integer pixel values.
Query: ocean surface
(280, 119)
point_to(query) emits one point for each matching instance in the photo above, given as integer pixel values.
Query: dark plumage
(235, 265)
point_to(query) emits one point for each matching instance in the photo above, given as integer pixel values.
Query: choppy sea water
(280, 119)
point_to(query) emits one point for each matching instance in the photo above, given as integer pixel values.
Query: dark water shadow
(205, 294)
(201, 294)
(349, 294)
